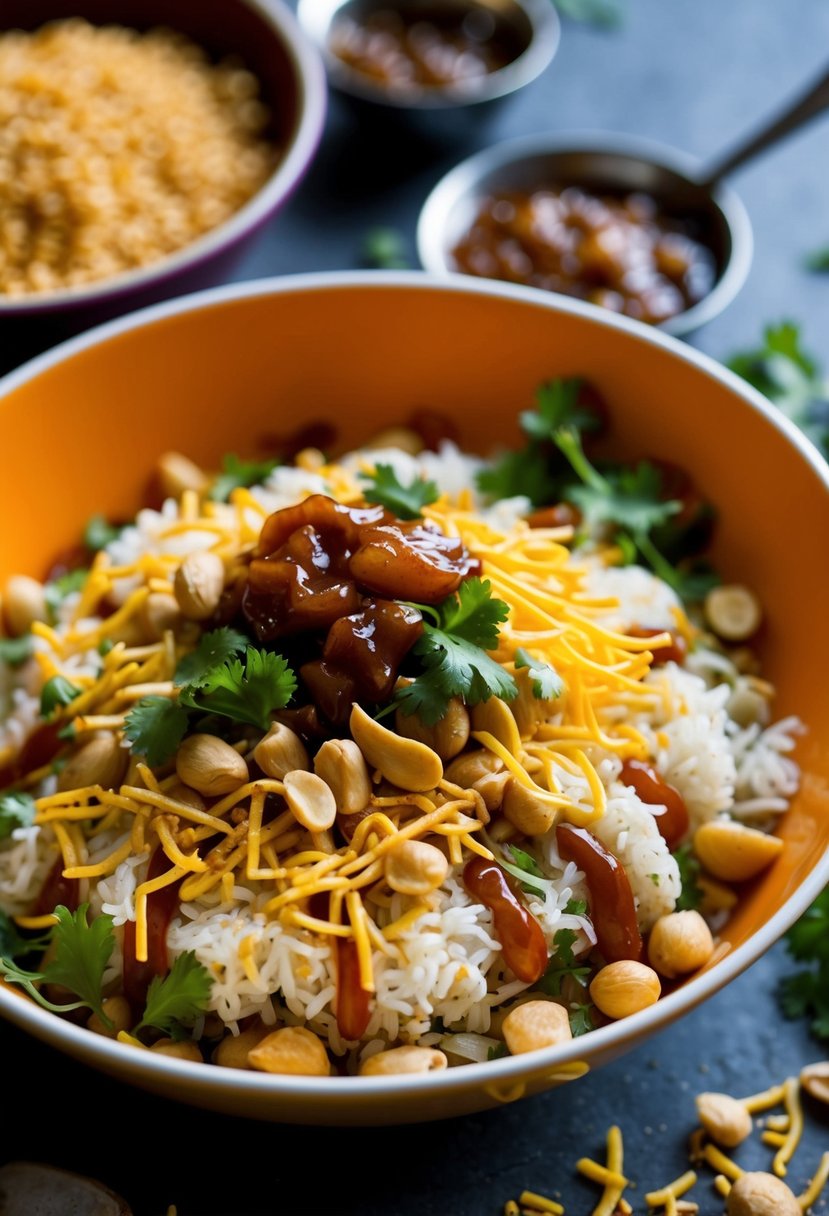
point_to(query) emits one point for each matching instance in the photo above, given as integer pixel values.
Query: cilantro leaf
(559, 403)
(384, 249)
(818, 259)
(245, 694)
(690, 897)
(809, 938)
(575, 907)
(81, 953)
(180, 996)
(99, 533)
(406, 502)
(15, 651)
(60, 588)
(16, 811)
(627, 498)
(790, 378)
(12, 943)
(454, 654)
(527, 869)
(563, 964)
(155, 727)
(214, 648)
(56, 692)
(536, 472)
(525, 473)
(238, 473)
(581, 1020)
(525, 862)
(547, 684)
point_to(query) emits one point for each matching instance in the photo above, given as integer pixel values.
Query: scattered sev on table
(781, 1132)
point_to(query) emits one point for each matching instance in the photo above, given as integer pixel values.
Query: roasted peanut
(281, 751)
(761, 1195)
(402, 437)
(406, 763)
(403, 1060)
(495, 716)
(159, 613)
(183, 1049)
(815, 1080)
(536, 1024)
(415, 868)
(292, 1050)
(341, 765)
(117, 1009)
(198, 585)
(724, 1118)
(176, 473)
(472, 766)
(101, 761)
(447, 737)
(734, 853)
(310, 800)
(679, 943)
(210, 766)
(492, 788)
(733, 612)
(749, 702)
(233, 1050)
(528, 809)
(625, 987)
(24, 602)
(190, 797)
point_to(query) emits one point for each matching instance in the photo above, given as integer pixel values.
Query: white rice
(447, 965)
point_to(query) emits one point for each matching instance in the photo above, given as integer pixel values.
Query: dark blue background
(694, 73)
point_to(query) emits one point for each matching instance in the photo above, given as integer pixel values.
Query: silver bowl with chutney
(700, 234)
(431, 64)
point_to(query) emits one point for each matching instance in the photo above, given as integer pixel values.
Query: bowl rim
(492, 1074)
(463, 181)
(312, 101)
(526, 67)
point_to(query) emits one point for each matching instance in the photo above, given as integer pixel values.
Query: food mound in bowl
(383, 764)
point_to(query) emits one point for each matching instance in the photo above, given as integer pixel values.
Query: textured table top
(694, 73)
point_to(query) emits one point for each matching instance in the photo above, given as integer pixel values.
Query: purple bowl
(266, 35)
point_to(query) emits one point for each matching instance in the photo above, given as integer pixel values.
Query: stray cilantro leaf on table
(547, 684)
(248, 693)
(818, 260)
(180, 997)
(406, 502)
(56, 692)
(214, 648)
(239, 474)
(806, 992)
(790, 378)
(156, 727)
(384, 249)
(16, 811)
(453, 651)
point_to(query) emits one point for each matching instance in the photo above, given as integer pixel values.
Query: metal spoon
(608, 163)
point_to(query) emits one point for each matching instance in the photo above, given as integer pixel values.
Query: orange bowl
(83, 426)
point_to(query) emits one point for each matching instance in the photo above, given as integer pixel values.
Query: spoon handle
(799, 111)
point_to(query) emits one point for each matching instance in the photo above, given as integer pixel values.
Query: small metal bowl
(605, 163)
(531, 26)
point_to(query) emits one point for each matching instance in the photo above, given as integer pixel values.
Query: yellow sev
(234, 844)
